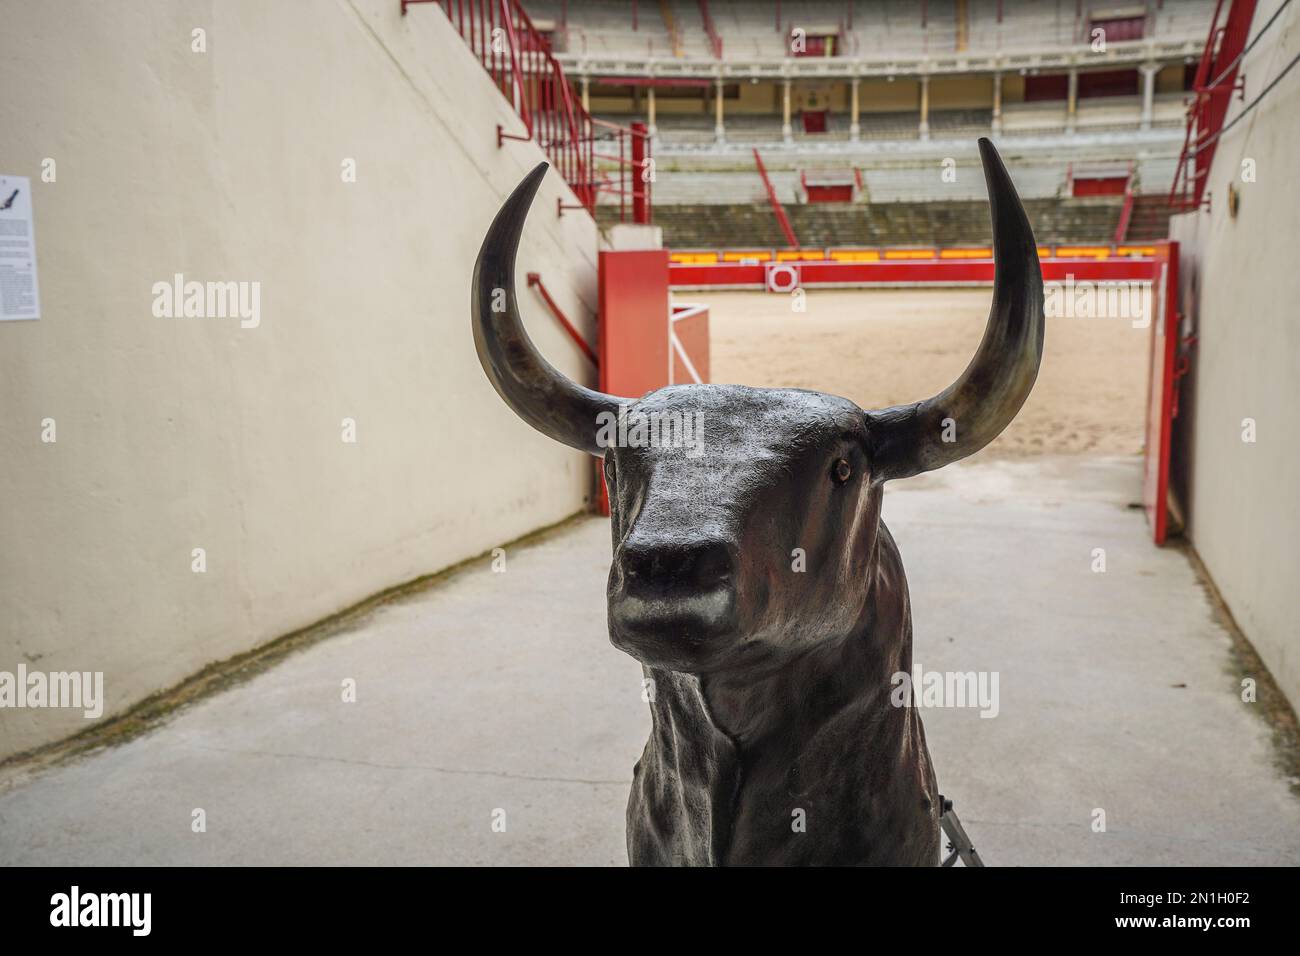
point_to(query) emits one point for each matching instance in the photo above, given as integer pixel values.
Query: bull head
(703, 535)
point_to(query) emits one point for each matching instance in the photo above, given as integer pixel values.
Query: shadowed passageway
(499, 691)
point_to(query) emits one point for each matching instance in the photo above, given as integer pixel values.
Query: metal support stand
(958, 842)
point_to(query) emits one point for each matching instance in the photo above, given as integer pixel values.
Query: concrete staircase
(1150, 220)
(740, 225)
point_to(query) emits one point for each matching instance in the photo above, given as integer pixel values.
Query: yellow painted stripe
(1076, 252)
(909, 253)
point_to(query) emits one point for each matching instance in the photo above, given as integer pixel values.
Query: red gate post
(640, 199)
(1162, 384)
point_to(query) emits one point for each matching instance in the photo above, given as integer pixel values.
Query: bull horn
(910, 439)
(540, 395)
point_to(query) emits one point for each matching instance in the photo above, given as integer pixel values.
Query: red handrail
(1223, 49)
(715, 39)
(632, 168)
(534, 279)
(518, 57)
(782, 220)
(1126, 213)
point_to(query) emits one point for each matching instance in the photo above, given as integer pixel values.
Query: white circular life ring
(782, 276)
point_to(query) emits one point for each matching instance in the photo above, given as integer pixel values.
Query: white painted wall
(174, 434)
(1242, 291)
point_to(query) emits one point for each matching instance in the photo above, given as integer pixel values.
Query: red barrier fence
(756, 255)
(1162, 390)
(786, 275)
(688, 335)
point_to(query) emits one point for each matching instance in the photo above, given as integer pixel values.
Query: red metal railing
(1125, 215)
(715, 38)
(628, 173)
(782, 219)
(535, 281)
(1126, 212)
(1216, 81)
(518, 57)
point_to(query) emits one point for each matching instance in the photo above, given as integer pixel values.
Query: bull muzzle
(673, 603)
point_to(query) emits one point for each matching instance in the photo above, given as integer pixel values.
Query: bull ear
(531, 386)
(910, 439)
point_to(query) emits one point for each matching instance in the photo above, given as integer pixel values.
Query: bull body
(754, 580)
(771, 773)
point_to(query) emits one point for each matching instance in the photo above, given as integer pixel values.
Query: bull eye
(842, 471)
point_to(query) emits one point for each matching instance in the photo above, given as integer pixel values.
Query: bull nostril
(712, 565)
(696, 565)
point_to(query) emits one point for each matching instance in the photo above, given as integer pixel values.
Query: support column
(719, 130)
(923, 131)
(855, 129)
(1072, 103)
(586, 93)
(997, 104)
(1149, 71)
(651, 129)
(787, 131)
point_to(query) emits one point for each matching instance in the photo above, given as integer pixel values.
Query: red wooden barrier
(1161, 384)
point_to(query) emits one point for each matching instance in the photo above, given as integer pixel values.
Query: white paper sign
(19, 295)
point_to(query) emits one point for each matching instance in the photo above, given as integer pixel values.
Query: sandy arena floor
(891, 346)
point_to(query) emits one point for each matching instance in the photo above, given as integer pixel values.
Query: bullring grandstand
(865, 113)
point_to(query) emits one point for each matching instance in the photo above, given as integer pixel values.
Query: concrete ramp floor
(491, 692)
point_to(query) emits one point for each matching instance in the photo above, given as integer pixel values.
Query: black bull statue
(753, 578)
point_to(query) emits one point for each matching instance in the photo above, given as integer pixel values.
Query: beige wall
(699, 104)
(756, 98)
(1168, 80)
(961, 92)
(1242, 293)
(1013, 88)
(762, 98)
(175, 434)
(881, 96)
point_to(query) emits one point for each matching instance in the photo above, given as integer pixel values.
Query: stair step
(890, 224)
